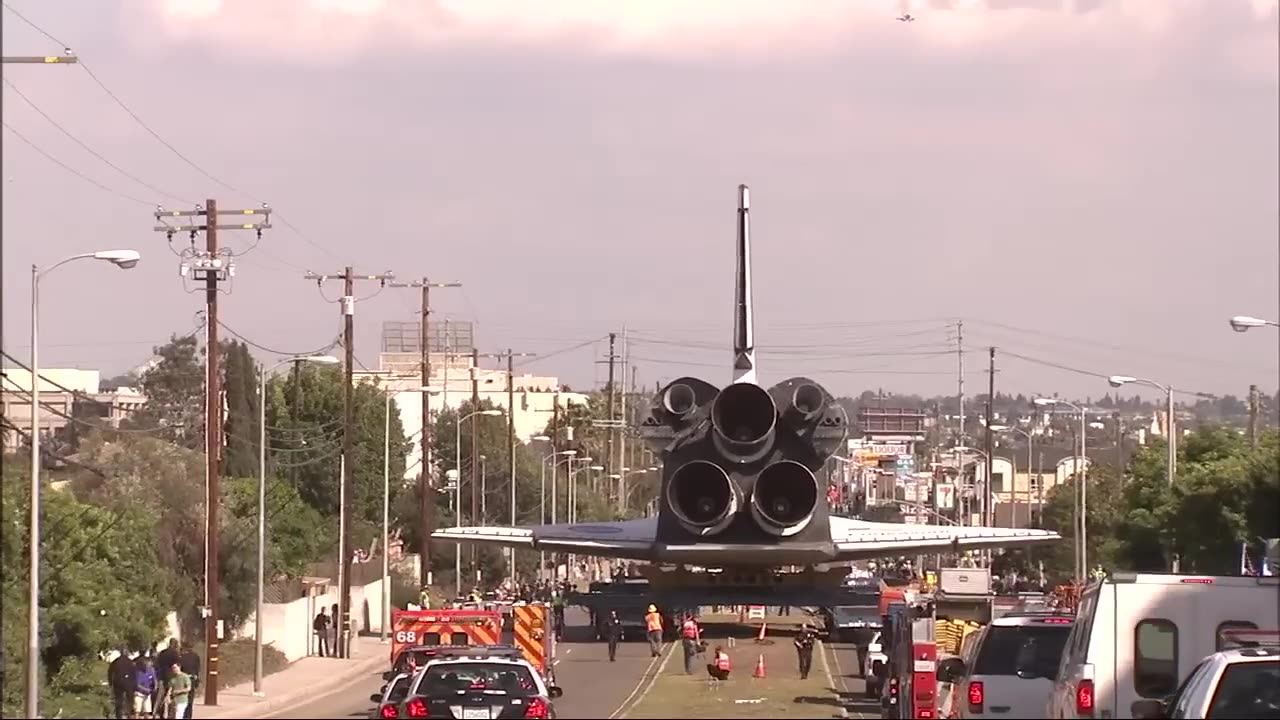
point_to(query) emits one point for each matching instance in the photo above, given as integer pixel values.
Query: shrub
(235, 665)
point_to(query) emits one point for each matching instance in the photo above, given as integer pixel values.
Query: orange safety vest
(690, 630)
(722, 662)
(653, 621)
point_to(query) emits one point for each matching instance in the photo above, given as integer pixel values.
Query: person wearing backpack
(120, 678)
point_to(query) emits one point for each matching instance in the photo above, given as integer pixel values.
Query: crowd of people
(159, 685)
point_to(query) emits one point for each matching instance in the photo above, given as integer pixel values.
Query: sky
(1087, 185)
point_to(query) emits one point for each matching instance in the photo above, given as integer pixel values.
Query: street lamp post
(542, 503)
(262, 503)
(1242, 323)
(1171, 454)
(1082, 475)
(124, 259)
(457, 515)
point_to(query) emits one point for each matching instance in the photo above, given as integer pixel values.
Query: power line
(75, 172)
(88, 149)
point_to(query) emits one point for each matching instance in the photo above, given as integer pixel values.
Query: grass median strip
(781, 693)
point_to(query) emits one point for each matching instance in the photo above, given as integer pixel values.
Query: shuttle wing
(633, 539)
(859, 539)
(852, 540)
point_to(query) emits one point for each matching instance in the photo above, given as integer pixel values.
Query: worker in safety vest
(719, 666)
(424, 598)
(653, 630)
(689, 637)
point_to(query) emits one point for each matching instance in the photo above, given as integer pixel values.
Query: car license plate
(475, 713)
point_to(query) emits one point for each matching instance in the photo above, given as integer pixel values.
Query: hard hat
(653, 608)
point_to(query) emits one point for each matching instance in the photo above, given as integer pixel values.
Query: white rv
(1138, 635)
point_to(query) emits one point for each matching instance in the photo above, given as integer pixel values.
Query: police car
(482, 683)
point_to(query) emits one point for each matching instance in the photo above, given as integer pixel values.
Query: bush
(235, 665)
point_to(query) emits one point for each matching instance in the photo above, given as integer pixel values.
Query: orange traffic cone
(760, 637)
(759, 672)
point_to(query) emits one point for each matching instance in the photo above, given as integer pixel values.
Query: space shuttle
(740, 487)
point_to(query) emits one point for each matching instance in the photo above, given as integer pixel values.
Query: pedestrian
(144, 686)
(121, 679)
(557, 612)
(179, 690)
(804, 649)
(613, 633)
(653, 630)
(321, 626)
(689, 640)
(189, 663)
(165, 661)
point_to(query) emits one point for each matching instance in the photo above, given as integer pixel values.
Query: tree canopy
(100, 577)
(1225, 494)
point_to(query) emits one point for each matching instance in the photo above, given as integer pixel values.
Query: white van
(1138, 635)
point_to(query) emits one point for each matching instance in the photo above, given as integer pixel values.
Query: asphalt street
(847, 677)
(593, 686)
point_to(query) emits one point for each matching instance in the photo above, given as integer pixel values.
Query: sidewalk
(303, 680)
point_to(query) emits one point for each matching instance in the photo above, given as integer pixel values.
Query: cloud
(775, 29)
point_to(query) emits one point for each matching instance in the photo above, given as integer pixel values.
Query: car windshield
(849, 614)
(1028, 651)
(448, 678)
(1248, 690)
(400, 689)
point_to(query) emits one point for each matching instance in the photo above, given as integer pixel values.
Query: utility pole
(511, 448)
(1253, 416)
(426, 481)
(623, 462)
(212, 265)
(348, 278)
(609, 388)
(960, 375)
(988, 503)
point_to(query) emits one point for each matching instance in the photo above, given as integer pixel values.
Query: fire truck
(428, 628)
(531, 631)
(911, 687)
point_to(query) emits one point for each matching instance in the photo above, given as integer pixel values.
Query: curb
(283, 702)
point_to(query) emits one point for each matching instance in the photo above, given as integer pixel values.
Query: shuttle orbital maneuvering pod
(739, 491)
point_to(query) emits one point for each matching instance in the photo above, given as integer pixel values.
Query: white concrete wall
(287, 626)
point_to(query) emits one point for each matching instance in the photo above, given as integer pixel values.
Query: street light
(1082, 473)
(1171, 459)
(542, 503)
(1242, 323)
(457, 513)
(386, 498)
(511, 552)
(125, 260)
(262, 502)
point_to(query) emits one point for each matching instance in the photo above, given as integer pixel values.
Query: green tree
(305, 414)
(1105, 517)
(102, 586)
(134, 470)
(174, 387)
(491, 441)
(240, 390)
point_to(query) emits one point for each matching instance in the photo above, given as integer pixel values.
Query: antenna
(744, 342)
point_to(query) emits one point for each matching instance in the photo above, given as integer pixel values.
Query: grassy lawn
(781, 693)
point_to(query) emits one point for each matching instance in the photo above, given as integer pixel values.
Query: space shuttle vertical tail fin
(744, 342)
